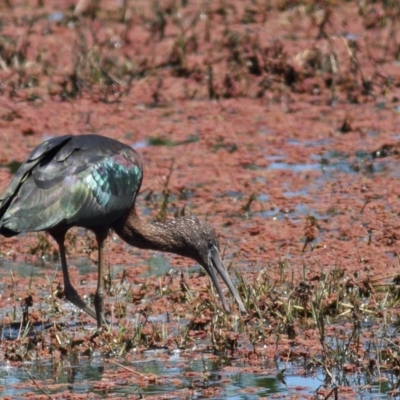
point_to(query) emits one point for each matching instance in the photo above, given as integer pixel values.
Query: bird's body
(88, 181)
(92, 181)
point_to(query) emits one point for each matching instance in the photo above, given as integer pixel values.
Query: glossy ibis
(92, 181)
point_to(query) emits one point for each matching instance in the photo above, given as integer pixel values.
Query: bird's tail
(7, 232)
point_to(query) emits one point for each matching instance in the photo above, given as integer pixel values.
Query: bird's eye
(212, 248)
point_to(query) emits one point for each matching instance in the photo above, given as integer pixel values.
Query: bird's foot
(104, 329)
(72, 295)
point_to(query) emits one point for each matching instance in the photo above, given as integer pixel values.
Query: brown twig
(38, 386)
(128, 369)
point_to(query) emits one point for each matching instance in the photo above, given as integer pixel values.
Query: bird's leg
(101, 236)
(70, 293)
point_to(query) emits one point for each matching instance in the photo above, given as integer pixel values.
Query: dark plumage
(92, 181)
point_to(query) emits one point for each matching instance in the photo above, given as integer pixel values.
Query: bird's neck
(144, 235)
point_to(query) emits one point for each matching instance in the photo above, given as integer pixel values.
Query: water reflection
(179, 373)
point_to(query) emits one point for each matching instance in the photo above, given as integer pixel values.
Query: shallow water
(79, 377)
(177, 373)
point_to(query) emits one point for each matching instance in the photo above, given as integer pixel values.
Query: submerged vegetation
(330, 324)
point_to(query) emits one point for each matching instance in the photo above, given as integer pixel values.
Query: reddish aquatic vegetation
(281, 126)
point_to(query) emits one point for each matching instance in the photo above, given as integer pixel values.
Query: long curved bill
(214, 261)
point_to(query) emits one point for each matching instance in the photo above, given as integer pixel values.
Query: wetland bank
(278, 123)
